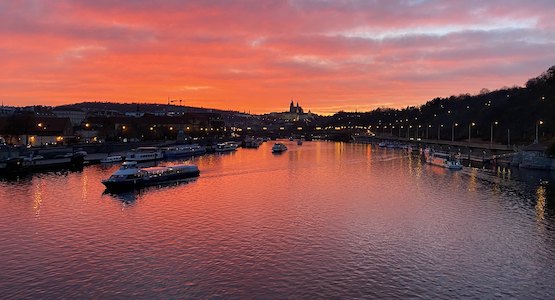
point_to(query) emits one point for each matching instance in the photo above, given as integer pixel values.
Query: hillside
(516, 109)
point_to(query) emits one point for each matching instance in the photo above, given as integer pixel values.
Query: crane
(172, 101)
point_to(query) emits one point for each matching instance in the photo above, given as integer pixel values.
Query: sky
(256, 56)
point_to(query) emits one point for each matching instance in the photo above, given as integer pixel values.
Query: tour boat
(144, 154)
(279, 147)
(183, 150)
(299, 142)
(226, 147)
(111, 159)
(442, 159)
(251, 142)
(130, 176)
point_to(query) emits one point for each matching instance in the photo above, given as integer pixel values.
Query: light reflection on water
(320, 220)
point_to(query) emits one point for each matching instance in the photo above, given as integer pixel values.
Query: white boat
(144, 154)
(111, 159)
(442, 159)
(226, 147)
(183, 150)
(279, 147)
(130, 176)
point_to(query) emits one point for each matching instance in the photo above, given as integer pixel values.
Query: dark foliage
(516, 110)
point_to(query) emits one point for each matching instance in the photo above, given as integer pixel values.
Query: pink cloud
(255, 55)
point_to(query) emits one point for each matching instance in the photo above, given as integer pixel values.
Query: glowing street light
(491, 133)
(453, 131)
(540, 122)
(470, 130)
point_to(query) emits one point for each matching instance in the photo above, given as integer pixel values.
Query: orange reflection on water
(540, 203)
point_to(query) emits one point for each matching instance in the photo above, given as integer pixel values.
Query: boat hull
(137, 183)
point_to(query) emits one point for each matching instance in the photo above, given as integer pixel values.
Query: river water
(322, 220)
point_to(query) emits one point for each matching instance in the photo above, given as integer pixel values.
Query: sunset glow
(257, 55)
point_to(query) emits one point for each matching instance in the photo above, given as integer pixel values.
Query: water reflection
(322, 220)
(540, 203)
(130, 196)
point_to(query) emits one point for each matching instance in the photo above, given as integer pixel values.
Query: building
(27, 129)
(294, 114)
(76, 116)
(7, 110)
(295, 109)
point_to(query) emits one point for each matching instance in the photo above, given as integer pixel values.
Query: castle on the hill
(295, 109)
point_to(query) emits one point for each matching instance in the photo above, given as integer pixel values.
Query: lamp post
(538, 123)
(470, 130)
(453, 131)
(438, 131)
(427, 128)
(419, 126)
(491, 133)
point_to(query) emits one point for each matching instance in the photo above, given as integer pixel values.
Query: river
(322, 220)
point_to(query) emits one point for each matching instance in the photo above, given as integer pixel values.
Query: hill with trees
(511, 112)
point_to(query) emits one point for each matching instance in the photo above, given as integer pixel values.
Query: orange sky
(257, 55)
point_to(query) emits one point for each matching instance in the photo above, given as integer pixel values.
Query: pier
(472, 152)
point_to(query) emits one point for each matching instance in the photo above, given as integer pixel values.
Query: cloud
(255, 55)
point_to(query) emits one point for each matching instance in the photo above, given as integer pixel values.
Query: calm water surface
(321, 220)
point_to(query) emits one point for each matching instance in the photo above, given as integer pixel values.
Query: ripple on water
(323, 220)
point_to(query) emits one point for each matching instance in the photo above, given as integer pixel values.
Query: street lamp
(438, 131)
(427, 128)
(453, 131)
(540, 122)
(419, 126)
(470, 130)
(491, 133)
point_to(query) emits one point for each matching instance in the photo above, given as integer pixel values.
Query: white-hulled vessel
(130, 176)
(279, 147)
(442, 159)
(226, 147)
(144, 154)
(183, 150)
(111, 159)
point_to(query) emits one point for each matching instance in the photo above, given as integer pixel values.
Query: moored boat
(279, 147)
(144, 154)
(226, 147)
(111, 159)
(130, 176)
(442, 159)
(183, 150)
(251, 142)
